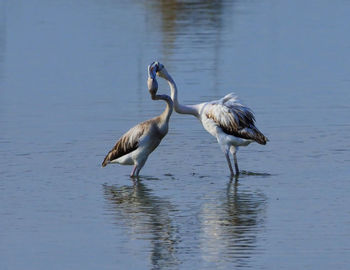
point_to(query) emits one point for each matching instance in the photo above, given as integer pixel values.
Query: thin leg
(133, 171)
(138, 171)
(137, 168)
(229, 163)
(225, 148)
(236, 163)
(233, 150)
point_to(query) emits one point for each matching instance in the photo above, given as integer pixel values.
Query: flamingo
(134, 147)
(230, 122)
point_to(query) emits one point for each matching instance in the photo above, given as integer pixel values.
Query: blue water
(73, 80)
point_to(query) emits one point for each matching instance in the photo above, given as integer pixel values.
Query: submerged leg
(133, 172)
(236, 163)
(138, 171)
(137, 168)
(234, 151)
(229, 163)
(225, 148)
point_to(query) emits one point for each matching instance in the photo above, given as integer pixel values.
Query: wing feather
(126, 144)
(235, 119)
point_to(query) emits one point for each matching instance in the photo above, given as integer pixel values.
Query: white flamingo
(134, 147)
(226, 119)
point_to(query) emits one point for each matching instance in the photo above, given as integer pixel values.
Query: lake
(73, 80)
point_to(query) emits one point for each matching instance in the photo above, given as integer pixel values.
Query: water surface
(73, 80)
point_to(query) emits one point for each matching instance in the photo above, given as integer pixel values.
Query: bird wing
(234, 118)
(126, 144)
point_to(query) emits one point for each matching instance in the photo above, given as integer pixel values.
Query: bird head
(152, 70)
(152, 83)
(161, 71)
(157, 68)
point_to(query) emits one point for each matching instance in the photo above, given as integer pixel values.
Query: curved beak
(152, 70)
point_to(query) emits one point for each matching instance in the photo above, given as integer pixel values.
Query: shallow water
(73, 79)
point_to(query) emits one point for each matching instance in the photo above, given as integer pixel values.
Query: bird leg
(138, 171)
(132, 175)
(236, 163)
(137, 168)
(229, 163)
(233, 150)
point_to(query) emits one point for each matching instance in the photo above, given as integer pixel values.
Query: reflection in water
(179, 18)
(191, 25)
(146, 216)
(230, 226)
(2, 34)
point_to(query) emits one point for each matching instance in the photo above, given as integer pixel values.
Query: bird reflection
(186, 16)
(2, 34)
(231, 225)
(196, 24)
(146, 217)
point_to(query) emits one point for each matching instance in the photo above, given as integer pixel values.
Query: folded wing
(234, 119)
(126, 144)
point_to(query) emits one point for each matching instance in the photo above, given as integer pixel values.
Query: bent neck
(179, 108)
(165, 116)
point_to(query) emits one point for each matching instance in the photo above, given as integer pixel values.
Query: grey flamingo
(134, 147)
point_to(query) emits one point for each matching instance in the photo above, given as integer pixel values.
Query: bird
(134, 147)
(230, 122)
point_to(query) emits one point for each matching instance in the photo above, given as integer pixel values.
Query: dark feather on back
(237, 121)
(126, 144)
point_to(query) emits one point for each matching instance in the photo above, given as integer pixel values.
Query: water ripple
(145, 216)
(230, 225)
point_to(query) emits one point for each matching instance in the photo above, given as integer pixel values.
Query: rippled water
(73, 79)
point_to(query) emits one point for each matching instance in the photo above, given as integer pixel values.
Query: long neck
(179, 108)
(165, 116)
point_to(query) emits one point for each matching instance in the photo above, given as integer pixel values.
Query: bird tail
(258, 136)
(106, 160)
(261, 139)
